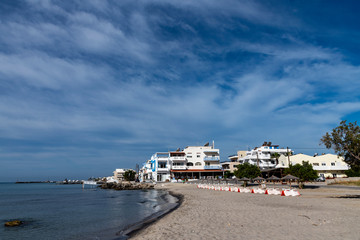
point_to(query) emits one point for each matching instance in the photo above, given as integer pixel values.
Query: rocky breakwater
(127, 186)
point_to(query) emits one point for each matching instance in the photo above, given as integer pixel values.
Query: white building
(233, 161)
(192, 162)
(160, 166)
(145, 172)
(327, 165)
(263, 156)
(119, 174)
(201, 162)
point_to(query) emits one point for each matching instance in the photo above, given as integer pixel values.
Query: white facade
(192, 162)
(327, 165)
(145, 172)
(262, 156)
(160, 166)
(202, 158)
(119, 174)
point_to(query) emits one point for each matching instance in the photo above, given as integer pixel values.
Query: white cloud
(115, 80)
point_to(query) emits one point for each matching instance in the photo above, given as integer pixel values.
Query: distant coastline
(35, 182)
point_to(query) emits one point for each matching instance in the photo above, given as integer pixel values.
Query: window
(315, 164)
(190, 164)
(189, 156)
(323, 164)
(178, 164)
(332, 164)
(198, 164)
(197, 156)
(162, 165)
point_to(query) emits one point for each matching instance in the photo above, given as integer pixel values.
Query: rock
(127, 186)
(13, 223)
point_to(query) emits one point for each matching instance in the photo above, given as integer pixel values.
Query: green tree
(353, 171)
(345, 140)
(228, 174)
(129, 175)
(247, 170)
(304, 172)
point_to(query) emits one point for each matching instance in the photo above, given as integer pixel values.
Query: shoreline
(136, 228)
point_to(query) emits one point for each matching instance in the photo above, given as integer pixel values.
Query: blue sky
(90, 86)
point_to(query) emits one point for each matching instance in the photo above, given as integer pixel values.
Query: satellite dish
(178, 150)
(206, 144)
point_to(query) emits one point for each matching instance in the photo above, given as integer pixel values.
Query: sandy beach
(207, 214)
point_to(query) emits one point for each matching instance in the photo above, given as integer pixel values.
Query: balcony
(178, 159)
(161, 169)
(179, 167)
(212, 167)
(211, 158)
(163, 159)
(330, 168)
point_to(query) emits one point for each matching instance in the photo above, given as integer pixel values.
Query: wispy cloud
(117, 81)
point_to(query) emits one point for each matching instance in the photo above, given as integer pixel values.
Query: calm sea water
(56, 212)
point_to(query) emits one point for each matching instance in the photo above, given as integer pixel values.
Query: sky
(93, 85)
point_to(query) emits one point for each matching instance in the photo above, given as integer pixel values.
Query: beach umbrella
(273, 179)
(259, 179)
(289, 178)
(245, 179)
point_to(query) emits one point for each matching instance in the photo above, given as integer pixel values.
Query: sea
(66, 211)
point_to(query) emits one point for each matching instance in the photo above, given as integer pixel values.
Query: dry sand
(208, 214)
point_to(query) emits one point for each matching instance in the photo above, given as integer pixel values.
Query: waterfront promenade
(205, 214)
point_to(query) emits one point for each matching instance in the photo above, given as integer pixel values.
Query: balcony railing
(163, 169)
(212, 167)
(178, 158)
(211, 158)
(333, 168)
(179, 167)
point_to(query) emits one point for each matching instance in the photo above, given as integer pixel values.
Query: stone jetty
(127, 186)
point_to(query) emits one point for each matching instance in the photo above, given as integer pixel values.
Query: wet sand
(207, 214)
